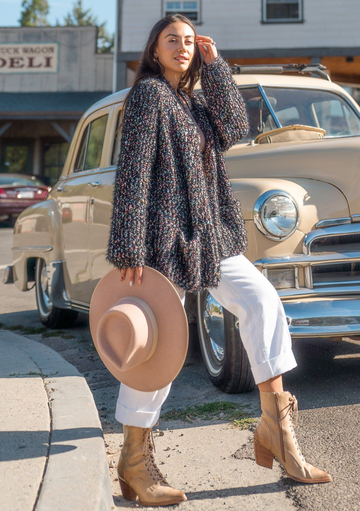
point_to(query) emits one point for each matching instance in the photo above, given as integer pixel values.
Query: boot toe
(320, 476)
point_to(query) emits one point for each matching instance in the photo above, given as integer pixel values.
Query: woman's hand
(139, 273)
(207, 48)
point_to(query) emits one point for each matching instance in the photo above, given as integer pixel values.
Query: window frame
(88, 120)
(180, 11)
(284, 20)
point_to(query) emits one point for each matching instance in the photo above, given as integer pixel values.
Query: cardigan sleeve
(126, 245)
(224, 103)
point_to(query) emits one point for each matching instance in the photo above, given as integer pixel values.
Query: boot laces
(148, 450)
(290, 410)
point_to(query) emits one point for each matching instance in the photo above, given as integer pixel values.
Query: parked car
(297, 177)
(19, 191)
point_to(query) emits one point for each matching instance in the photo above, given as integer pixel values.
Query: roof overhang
(47, 105)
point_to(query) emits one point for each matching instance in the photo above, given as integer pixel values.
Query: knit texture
(174, 209)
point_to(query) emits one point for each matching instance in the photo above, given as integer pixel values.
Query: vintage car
(297, 176)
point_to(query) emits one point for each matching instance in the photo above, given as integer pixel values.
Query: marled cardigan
(174, 208)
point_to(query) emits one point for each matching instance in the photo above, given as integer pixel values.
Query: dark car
(18, 191)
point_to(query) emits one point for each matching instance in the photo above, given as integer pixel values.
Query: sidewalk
(51, 445)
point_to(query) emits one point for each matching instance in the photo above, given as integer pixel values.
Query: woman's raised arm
(224, 103)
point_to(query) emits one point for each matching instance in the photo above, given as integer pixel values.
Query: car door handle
(60, 188)
(94, 184)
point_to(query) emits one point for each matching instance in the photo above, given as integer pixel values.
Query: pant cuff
(129, 417)
(274, 367)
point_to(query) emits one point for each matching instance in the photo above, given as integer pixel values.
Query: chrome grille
(334, 274)
(344, 243)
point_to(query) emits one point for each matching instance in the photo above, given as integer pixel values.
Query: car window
(117, 141)
(288, 116)
(90, 150)
(260, 118)
(318, 108)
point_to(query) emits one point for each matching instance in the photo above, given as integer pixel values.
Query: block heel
(126, 490)
(263, 456)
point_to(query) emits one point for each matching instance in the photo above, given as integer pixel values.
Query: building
(48, 77)
(255, 32)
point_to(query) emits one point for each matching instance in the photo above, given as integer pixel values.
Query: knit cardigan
(174, 209)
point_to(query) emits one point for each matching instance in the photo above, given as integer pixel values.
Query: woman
(174, 211)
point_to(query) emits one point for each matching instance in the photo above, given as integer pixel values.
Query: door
(101, 203)
(73, 195)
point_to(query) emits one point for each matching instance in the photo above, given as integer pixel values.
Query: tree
(80, 17)
(34, 13)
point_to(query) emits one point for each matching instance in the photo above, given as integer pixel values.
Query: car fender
(316, 200)
(37, 233)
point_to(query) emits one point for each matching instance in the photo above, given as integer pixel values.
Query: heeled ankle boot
(275, 437)
(138, 473)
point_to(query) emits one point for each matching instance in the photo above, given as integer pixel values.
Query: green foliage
(80, 17)
(217, 410)
(34, 13)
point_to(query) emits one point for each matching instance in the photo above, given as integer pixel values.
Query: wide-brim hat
(141, 331)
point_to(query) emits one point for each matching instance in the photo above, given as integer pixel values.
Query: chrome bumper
(8, 275)
(338, 317)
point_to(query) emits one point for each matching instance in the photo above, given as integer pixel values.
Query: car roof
(245, 80)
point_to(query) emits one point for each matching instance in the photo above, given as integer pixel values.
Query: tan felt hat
(140, 331)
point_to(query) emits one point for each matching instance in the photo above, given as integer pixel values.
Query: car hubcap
(214, 334)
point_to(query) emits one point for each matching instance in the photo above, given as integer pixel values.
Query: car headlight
(276, 214)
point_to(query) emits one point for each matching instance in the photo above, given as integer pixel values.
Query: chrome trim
(308, 278)
(333, 221)
(259, 204)
(326, 291)
(43, 248)
(328, 231)
(318, 318)
(355, 218)
(81, 307)
(297, 284)
(9, 275)
(308, 260)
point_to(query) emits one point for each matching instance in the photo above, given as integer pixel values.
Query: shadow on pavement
(20, 445)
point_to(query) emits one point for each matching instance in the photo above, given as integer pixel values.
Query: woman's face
(176, 47)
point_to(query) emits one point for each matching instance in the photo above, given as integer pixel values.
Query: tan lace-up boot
(275, 436)
(138, 473)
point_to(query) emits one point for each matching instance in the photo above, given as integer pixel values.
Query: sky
(104, 10)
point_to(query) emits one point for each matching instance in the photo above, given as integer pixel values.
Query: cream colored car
(300, 196)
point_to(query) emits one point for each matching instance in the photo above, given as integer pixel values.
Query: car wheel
(222, 350)
(50, 316)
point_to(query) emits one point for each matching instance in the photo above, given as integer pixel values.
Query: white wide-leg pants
(246, 293)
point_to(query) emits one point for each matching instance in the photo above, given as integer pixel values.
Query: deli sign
(28, 58)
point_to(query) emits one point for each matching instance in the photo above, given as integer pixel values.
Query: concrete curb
(76, 474)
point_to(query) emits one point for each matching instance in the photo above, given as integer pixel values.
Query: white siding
(236, 24)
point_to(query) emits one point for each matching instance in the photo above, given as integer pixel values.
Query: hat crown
(128, 333)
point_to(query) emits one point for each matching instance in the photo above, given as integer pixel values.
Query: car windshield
(19, 181)
(317, 108)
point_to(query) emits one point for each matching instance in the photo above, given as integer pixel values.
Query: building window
(54, 156)
(282, 11)
(189, 9)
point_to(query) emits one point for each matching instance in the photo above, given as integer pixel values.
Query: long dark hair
(151, 67)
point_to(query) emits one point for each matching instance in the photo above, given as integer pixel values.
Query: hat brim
(173, 333)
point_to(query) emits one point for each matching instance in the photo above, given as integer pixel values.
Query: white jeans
(247, 294)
